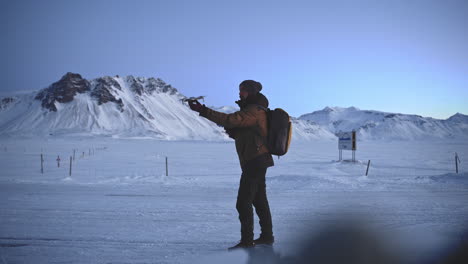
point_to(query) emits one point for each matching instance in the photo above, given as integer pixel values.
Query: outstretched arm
(243, 118)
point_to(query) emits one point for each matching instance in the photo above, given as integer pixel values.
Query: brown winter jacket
(248, 127)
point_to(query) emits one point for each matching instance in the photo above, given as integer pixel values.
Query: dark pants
(252, 191)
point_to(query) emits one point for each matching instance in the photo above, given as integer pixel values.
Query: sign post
(347, 141)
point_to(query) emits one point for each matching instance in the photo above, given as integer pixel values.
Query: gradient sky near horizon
(396, 56)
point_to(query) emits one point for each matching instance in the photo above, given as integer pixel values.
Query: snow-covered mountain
(148, 107)
(382, 125)
(118, 106)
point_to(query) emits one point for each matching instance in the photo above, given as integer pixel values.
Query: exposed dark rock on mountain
(159, 86)
(103, 91)
(63, 91)
(7, 101)
(135, 85)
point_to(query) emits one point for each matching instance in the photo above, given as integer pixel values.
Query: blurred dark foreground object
(457, 253)
(352, 243)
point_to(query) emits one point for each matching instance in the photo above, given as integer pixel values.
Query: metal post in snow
(167, 169)
(42, 164)
(368, 164)
(58, 161)
(70, 166)
(456, 162)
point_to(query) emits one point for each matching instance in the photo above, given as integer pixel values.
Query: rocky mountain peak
(6, 102)
(135, 84)
(159, 86)
(103, 91)
(63, 91)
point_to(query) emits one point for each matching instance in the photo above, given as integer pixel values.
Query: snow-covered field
(118, 206)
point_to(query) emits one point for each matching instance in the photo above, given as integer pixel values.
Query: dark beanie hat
(251, 86)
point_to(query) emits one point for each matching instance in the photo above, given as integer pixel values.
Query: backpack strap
(262, 107)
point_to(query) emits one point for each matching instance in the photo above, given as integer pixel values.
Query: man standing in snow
(248, 127)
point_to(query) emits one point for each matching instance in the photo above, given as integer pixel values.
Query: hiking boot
(265, 240)
(243, 244)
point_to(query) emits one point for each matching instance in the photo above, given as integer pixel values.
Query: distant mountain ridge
(371, 124)
(131, 106)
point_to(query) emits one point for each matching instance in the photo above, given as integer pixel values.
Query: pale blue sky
(396, 56)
